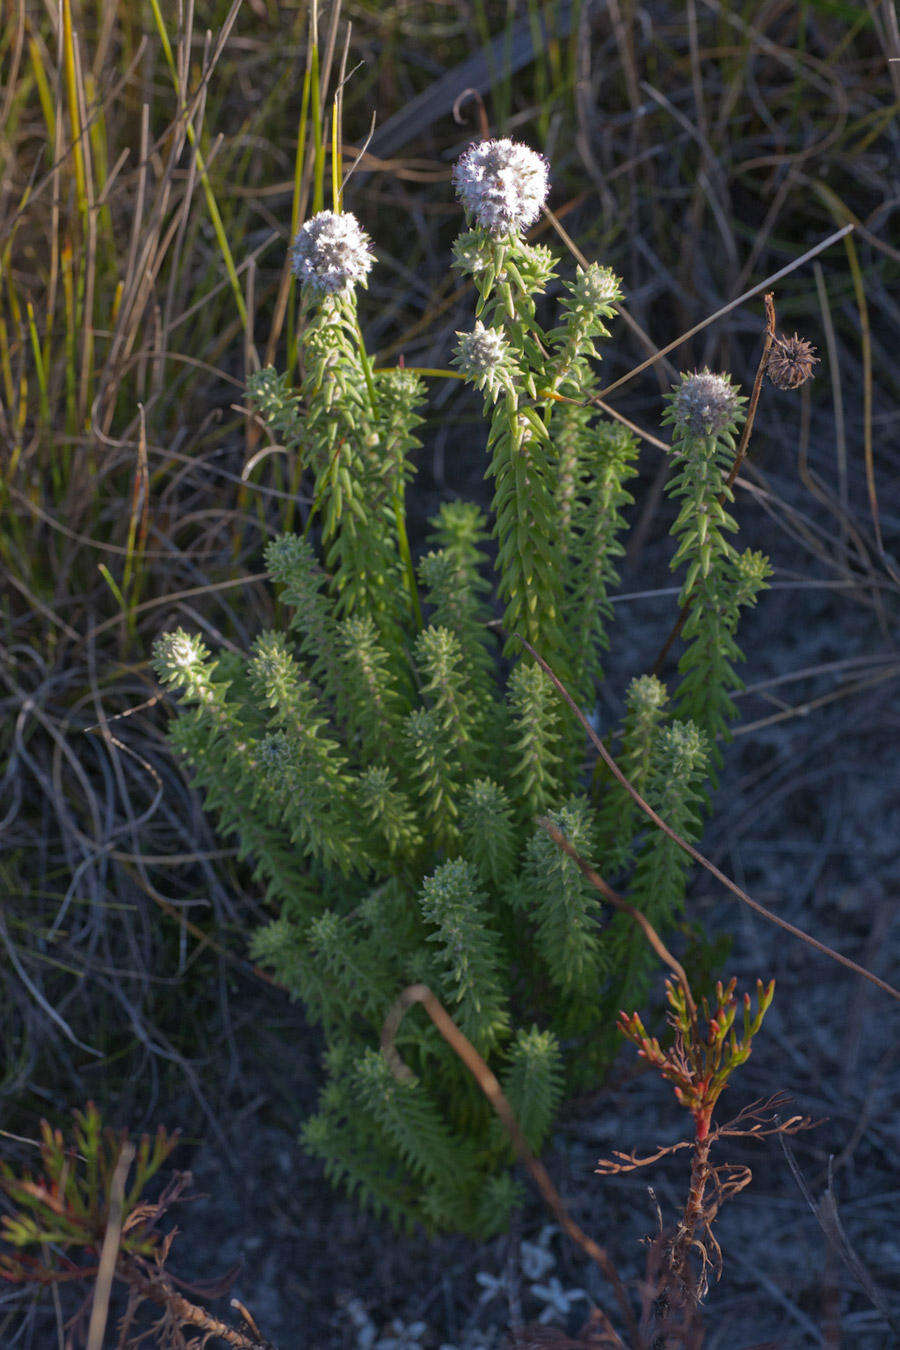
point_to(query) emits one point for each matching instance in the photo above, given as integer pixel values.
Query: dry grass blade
(109, 1252)
(828, 1219)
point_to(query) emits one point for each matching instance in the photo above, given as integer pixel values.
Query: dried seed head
(484, 357)
(332, 253)
(791, 362)
(705, 404)
(502, 185)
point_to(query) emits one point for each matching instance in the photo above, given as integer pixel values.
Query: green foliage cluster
(65, 1205)
(383, 770)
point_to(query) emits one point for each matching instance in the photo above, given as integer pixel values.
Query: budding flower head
(682, 748)
(484, 357)
(502, 185)
(705, 404)
(176, 654)
(646, 692)
(595, 286)
(791, 362)
(332, 253)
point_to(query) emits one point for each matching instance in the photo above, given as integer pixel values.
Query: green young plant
(382, 756)
(67, 1203)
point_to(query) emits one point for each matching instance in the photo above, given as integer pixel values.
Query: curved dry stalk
(486, 1080)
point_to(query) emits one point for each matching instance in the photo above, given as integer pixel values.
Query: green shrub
(383, 769)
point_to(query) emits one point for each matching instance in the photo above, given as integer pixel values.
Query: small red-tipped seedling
(699, 1062)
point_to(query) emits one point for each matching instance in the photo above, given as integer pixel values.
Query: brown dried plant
(77, 1222)
(704, 1052)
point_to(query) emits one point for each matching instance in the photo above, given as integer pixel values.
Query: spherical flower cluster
(502, 185)
(705, 404)
(332, 253)
(791, 362)
(484, 357)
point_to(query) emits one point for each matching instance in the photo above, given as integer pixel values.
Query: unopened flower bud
(791, 362)
(645, 693)
(502, 185)
(332, 253)
(595, 286)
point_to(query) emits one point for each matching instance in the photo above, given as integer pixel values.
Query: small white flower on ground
(403, 1337)
(502, 185)
(536, 1261)
(474, 1340)
(332, 253)
(558, 1300)
(493, 1285)
(365, 1327)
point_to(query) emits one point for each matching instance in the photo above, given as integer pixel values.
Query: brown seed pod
(791, 362)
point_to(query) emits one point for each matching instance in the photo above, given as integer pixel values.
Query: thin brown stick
(463, 1047)
(621, 903)
(695, 853)
(109, 1252)
(738, 461)
(726, 309)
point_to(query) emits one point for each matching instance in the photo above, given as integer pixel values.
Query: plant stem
(733, 472)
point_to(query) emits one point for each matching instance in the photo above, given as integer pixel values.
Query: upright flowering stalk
(355, 435)
(502, 187)
(548, 456)
(705, 411)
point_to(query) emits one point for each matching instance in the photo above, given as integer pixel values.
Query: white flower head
(332, 253)
(502, 185)
(180, 650)
(705, 404)
(179, 659)
(485, 359)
